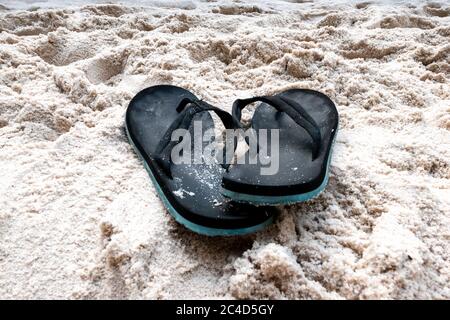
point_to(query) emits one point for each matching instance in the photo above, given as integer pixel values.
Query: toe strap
(292, 108)
(187, 109)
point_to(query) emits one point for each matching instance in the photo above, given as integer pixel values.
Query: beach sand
(80, 219)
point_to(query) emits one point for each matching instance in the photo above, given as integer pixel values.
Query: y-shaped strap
(183, 121)
(292, 108)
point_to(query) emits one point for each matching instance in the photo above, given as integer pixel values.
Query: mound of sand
(79, 217)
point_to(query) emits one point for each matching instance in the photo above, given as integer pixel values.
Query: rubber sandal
(307, 121)
(190, 192)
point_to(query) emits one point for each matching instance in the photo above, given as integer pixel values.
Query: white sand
(79, 216)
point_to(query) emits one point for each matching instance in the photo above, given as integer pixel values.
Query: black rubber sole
(300, 177)
(192, 196)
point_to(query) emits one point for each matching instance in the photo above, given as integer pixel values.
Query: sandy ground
(79, 217)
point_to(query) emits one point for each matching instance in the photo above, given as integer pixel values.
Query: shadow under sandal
(307, 121)
(190, 192)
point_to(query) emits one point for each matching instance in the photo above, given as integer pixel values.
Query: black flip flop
(190, 192)
(307, 121)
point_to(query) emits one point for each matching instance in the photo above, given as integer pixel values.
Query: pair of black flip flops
(223, 199)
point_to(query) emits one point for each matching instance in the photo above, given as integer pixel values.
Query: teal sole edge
(280, 200)
(207, 231)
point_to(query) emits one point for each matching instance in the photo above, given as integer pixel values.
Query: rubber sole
(281, 200)
(203, 230)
